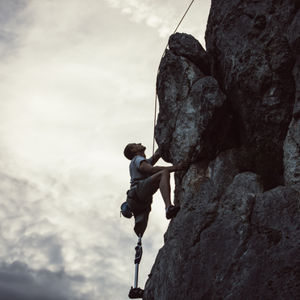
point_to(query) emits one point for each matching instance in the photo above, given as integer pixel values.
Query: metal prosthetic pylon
(136, 292)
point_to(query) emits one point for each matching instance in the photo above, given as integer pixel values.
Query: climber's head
(133, 149)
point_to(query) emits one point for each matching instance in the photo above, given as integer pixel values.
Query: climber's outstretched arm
(147, 168)
(155, 157)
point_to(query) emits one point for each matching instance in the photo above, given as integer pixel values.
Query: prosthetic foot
(135, 293)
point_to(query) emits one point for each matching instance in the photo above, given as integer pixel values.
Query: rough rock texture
(253, 63)
(237, 235)
(292, 156)
(194, 120)
(292, 142)
(293, 36)
(244, 246)
(187, 46)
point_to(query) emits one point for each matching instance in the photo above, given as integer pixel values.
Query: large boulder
(192, 121)
(186, 45)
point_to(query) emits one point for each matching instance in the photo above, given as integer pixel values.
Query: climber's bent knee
(156, 178)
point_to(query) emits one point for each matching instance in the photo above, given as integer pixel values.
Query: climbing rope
(158, 71)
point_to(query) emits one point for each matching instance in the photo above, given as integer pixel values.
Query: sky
(77, 84)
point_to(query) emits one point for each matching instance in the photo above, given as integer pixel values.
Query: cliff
(233, 111)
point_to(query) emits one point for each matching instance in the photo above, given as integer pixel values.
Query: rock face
(193, 120)
(292, 141)
(233, 111)
(187, 46)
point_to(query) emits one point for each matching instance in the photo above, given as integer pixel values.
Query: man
(146, 180)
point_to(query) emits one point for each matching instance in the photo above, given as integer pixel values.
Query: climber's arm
(147, 168)
(155, 157)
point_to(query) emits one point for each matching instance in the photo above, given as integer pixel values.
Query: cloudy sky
(77, 83)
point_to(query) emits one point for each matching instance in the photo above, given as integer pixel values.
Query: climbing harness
(158, 71)
(136, 292)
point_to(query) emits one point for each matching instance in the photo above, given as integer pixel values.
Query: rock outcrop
(193, 121)
(233, 111)
(187, 46)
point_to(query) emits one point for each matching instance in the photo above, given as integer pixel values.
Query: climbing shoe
(172, 211)
(135, 293)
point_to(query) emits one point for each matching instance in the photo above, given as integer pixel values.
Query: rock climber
(146, 179)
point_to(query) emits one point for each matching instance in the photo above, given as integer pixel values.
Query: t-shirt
(135, 174)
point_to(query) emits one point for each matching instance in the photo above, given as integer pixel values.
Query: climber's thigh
(146, 189)
(157, 177)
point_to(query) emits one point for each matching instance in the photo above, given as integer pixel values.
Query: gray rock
(296, 73)
(292, 156)
(237, 234)
(198, 194)
(207, 180)
(192, 121)
(245, 248)
(274, 246)
(293, 36)
(189, 259)
(292, 142)
(176, 77)
(186, 45)
(253, 64)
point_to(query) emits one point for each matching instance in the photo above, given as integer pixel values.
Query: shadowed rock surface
(253, 62)
(237, 235)
(196, 106)
(292, 141)
(186, 45)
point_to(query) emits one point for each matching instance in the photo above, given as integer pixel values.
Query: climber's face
(137, 148)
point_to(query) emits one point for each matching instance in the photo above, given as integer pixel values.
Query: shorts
(144, 191)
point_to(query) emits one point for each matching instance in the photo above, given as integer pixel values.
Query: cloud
(10, 18)
(47, 236)
(20, 282)
(148, 11)
(164, 17)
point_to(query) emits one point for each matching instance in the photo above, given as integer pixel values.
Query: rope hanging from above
(158, 71)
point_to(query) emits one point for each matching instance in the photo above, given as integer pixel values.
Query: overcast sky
(77, 83)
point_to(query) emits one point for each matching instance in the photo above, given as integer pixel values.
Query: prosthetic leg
(136, 292)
